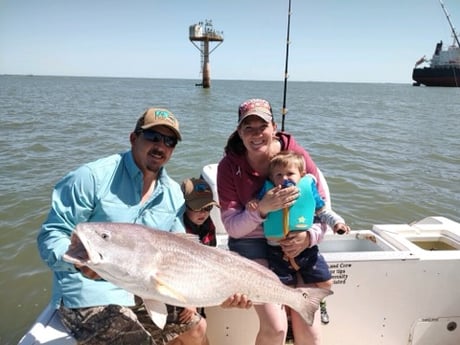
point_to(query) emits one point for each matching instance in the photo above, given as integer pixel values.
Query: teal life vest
(300, 214)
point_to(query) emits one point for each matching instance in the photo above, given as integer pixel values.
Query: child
(199, 203)
(197, 221)
(286, 169)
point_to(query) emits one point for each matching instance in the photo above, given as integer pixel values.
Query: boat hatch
(430, 234)
(359, 241)
(441, 243)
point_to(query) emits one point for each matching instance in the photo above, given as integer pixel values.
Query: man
(131, 187)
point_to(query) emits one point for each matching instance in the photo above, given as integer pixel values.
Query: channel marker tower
(205, 33)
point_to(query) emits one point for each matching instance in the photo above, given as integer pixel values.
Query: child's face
(198, 217)
(290, 172)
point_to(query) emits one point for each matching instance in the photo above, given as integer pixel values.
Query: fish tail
(311, 298)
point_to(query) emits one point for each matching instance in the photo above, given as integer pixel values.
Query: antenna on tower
(205, 33)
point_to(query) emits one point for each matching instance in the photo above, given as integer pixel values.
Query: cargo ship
(444, 66)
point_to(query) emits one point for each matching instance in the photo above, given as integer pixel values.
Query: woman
(240, 176)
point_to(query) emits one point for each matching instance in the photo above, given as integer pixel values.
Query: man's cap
(255, 106)
(153, 117)
(197, 193)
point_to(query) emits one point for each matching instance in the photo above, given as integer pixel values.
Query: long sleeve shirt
(237, 183)
(106, 190)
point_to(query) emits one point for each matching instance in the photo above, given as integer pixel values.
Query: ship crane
(204, 33)
(454, 33)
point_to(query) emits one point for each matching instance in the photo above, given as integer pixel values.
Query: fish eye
(105, 236)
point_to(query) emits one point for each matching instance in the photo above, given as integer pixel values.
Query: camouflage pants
(117, 325)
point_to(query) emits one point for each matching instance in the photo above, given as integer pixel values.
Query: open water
(390, 152)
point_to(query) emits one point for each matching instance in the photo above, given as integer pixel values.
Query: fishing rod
(284, 109)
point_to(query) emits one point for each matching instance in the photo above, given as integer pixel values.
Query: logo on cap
(255, 106)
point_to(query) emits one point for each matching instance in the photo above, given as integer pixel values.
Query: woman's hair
(235, 144)
(285, 158)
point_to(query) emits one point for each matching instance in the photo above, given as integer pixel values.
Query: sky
(375, 41)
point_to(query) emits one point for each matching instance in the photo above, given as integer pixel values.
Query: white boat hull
(394, 284)
(387, 291)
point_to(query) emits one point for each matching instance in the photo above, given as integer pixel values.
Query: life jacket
(300, 214)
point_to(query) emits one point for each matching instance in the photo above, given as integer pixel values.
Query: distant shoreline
(199, 80)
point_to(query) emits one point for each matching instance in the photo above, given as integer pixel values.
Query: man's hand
(186, 315)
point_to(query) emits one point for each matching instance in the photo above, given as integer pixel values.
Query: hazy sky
(331, 40)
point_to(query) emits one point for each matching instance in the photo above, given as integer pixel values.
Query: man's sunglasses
(157, 137)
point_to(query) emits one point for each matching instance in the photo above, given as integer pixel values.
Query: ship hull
(428, 76)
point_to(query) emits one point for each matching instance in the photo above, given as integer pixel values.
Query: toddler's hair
(285, 158)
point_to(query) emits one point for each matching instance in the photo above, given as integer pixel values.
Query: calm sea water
(390, 152)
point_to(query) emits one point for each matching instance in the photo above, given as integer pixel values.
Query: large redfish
(163, 267)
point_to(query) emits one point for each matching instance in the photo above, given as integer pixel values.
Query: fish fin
(157, 312)
(312, 296)
(166, 290)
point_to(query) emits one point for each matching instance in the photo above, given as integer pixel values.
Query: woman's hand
(341, 228)
(295, 242)
(278, 198)
(237, 300)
